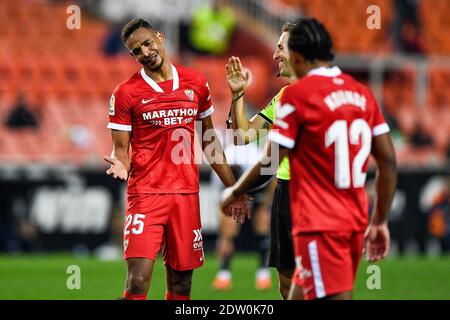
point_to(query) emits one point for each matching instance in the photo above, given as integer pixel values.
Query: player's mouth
(151, 60)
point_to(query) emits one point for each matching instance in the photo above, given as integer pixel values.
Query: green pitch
(45, 277)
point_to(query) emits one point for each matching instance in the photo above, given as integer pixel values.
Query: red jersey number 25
(137, 223)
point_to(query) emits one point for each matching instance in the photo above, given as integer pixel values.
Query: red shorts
(166, 222)
(327, 262)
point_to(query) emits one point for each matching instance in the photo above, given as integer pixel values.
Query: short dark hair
(133, 25)
(287, 27)
(311, 39)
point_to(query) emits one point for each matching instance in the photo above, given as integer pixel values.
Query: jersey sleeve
(205, 107)
(378, 123)
(287, 122)
(268, 113)
(120, 111)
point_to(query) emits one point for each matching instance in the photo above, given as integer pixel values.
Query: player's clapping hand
(237, 207)
(376, 242)
(237, 78)
(117, 170)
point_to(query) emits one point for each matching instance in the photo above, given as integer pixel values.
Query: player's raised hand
(376, 242)
(117, 170)
(237, 77)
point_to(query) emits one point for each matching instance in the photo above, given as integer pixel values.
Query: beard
(154, 67)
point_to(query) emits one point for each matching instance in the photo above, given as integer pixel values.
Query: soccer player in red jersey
(155, 112)
(329, 124)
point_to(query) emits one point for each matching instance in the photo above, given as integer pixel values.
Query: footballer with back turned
(329, 124)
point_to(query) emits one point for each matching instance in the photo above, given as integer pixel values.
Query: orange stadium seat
(439, 82)
(348, 27)
(435, 25)
(398, 91)
(71, 81)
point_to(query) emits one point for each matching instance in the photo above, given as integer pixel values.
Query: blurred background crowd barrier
(56, 81)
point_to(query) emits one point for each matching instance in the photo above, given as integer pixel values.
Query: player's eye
(136, 51)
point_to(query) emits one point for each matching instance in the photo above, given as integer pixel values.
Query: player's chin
(284, 72)
(155, 65)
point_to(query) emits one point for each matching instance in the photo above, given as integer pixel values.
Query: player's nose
(145, 51)
(276, 55)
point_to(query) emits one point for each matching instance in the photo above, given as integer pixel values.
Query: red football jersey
(161, 117)
(328, 120)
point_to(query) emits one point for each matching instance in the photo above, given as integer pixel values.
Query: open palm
(237, 78)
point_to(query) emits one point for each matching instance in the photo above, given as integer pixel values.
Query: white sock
(263, 273)
(224, 274)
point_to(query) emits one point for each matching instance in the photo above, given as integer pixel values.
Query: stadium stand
(68, 77)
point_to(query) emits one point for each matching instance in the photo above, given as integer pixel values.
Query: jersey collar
(325, 72)
(156, 87)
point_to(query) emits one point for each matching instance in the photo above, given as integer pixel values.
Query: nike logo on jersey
(147, 101)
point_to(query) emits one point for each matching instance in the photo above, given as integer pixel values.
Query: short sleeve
(286, 125)
(378, 123)
(119, 111)
(205, 107)
(268, 113)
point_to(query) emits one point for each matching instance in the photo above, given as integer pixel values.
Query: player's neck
(317, 65)
(162, 74)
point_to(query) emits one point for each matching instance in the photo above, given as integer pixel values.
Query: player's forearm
(386, 183)
(241, 124)
(122, 154)
(225, 174)
(250, 180)
(239, 117)
(254, 177)
(219, 164)
(216, 157)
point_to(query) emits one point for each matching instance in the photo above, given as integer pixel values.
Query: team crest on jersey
(190, 94)
(112, 102)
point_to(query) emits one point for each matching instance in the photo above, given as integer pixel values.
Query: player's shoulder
(127, 86)
(360, 87)
(189, 72)
(296, 89)
(280, 93)
(349, 79)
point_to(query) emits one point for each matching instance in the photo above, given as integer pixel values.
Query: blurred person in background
(112, 44)
(281, 252)
(212, 28)
(439, 217)
(22, 114)
(406, 27)
(241, 158)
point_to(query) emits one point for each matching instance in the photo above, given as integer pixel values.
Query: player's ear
(295, 60)
(160, 36)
